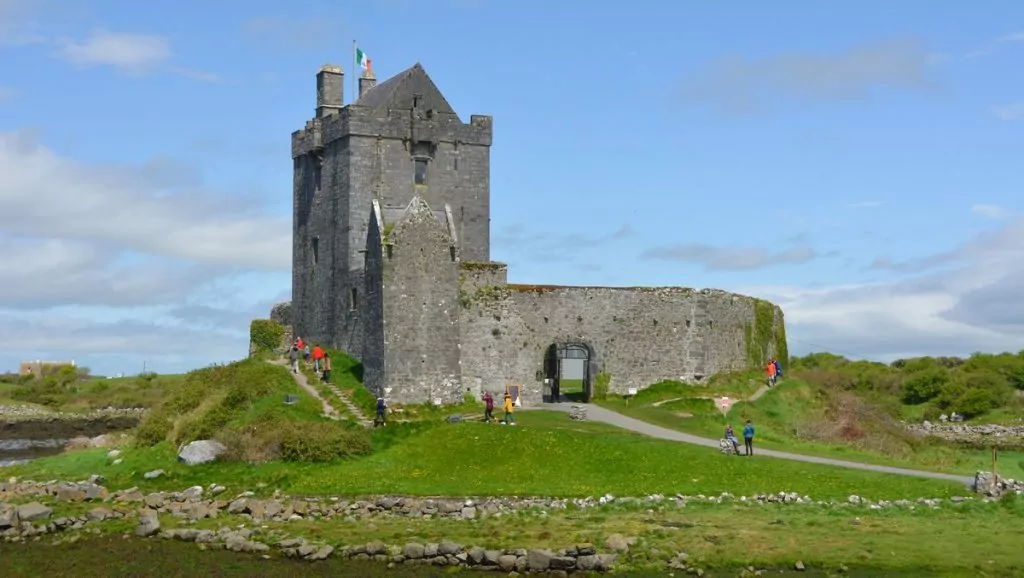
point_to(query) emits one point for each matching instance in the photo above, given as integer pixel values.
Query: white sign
(723, 404)
(631, 391)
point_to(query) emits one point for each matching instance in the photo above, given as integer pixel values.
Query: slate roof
(397, 92)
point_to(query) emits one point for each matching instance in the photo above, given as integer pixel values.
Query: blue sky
(852, 161)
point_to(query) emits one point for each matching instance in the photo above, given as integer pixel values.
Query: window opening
(353, 300)
(421, 172)
(316, 250)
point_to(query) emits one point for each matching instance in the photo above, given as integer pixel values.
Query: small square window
(421, 171)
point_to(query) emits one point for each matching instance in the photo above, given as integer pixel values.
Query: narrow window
(317, 172)
(353, 300)
(455, 164)
(316, 250)
(421, 171)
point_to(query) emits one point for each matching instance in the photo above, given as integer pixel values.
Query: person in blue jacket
(748, 438)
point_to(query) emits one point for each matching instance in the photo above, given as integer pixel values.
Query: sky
(857, 163)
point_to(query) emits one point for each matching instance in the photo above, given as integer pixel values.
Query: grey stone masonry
(391, 263)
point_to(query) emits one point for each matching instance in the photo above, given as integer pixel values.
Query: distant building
(39, 367)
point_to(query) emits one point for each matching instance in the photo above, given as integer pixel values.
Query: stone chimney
(330, 92)
(366, 82)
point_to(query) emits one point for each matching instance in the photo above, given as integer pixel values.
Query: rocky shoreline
(33, 423)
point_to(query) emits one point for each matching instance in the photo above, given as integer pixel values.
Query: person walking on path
(382, 408)
(299, 343)
(318, 357)
(488, 407)
(778, 369)
(293, 357)
(770, 369)
(509, 408)
(748, 438)
(305, 353)
(327, 368)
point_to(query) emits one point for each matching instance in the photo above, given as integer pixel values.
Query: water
(19, 451)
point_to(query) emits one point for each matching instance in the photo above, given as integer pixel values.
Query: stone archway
(567, 372)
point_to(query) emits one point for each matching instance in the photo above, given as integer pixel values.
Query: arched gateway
(567, 372)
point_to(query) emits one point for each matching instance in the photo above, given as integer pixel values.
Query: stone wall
(420, 308)
(638, 336)
(346, 159)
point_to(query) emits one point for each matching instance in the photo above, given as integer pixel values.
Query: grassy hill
(832, 407)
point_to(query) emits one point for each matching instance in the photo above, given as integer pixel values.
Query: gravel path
(300, 379)
(600, 414)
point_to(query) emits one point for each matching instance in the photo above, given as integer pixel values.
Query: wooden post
(994, 478)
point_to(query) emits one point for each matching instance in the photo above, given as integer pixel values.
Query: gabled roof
(397, 92)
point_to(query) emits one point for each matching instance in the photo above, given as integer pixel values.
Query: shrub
(925, 385)
(155, 428)
(266, 335)
(323, 442)
(601, 382)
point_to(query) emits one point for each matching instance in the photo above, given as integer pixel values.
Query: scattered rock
(34, 511)
(200, 452)
(149, 523)
(799, 566)
(153, 475)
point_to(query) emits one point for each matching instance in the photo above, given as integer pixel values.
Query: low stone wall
(974, 434)
(984, 484)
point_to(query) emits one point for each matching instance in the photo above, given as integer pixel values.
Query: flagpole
(355, 65)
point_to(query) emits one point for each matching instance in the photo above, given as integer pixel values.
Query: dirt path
(600, 414)
(351, 407)
(300, 379)
(757, 394)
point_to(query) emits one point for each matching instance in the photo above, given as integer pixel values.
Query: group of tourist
(774, 370)
(321, 359)
(508, 406)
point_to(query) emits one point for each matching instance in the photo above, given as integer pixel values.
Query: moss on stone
(481, 266)
(760, 336)
(265, 336)
(483, 294)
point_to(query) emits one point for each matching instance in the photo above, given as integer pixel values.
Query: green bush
(153, 429)
(266, 335)
(924, 385)
(601, 382)
(323, 442)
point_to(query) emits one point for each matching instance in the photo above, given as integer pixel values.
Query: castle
(391, 263)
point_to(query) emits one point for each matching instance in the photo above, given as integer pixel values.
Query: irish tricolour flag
(362, 59)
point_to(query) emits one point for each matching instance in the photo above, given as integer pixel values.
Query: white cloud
(741, 85)
(990, 211)
(158, 209)
(865, 204)
(973, 306)
(121, 50)
(731, 258)
(116, 264)
(1013, 111)
(991, 47)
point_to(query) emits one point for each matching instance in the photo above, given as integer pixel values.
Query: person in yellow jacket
(509, 408)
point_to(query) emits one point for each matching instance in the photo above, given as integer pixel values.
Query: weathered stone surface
(33, 511)
(200, 452)
(359, 213)
(149, 523)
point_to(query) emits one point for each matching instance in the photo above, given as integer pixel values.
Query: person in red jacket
(318, 357)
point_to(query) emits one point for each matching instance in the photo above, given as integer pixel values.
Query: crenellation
(391, 263)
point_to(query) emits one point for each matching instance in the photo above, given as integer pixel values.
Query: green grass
(547, 454)
(722, 539)
(95, 393)
(788, 415)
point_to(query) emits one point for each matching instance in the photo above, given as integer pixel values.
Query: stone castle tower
(399, 140)
(391, 264)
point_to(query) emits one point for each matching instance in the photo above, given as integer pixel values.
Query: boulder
(200, 452)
